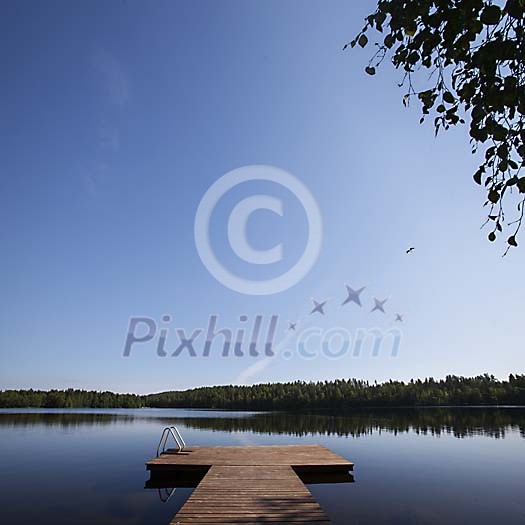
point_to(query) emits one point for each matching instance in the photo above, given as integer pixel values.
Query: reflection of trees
(62, 419)
(434, 421)
(459, 422)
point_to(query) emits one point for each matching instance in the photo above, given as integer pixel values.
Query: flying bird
(291, 326)
(399, 318)
(379, 305)
(353, 296)
(410, 250)
(318, 307)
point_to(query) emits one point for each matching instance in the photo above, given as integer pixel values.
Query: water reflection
(63, 419)
(191, 478)
(182, 479)
(166, 493)
(459, 422)
(167, 485)
(87, 466)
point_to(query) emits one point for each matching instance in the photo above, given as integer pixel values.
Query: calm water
(412, 466)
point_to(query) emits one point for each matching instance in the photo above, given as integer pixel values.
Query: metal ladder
(176, 435)
(166, 493)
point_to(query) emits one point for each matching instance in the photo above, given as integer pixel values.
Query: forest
(340, 394)
(69, 398)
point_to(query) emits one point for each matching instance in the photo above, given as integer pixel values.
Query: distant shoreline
(341, 394)
(326, 411)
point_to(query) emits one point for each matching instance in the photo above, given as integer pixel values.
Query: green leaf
(370, 70)
(491, 15)
(477, 176)
(478, 112)
(411, 28)
(490, 152)
(512, 240)
(521, 184)
(493, 196)
(413, 57)
(362, 41)
(503, 151)
(449, 97)
(500, 132)
(492, 236)
(389, 41)
(380, 17)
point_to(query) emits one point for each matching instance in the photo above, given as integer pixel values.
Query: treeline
(67, 399)
(344, 394)
(340, 394)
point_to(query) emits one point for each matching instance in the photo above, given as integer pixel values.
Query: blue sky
(116, 119)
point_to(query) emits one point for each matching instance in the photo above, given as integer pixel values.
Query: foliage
(473, 52)
(342, 394)
(297, 395)
(67, 399)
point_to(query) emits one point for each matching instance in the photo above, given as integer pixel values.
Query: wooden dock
(254, 484)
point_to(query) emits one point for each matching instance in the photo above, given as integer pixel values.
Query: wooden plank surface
(251, 494)
(250, 484)
(297, 456)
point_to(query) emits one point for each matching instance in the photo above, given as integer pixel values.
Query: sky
(117, 118)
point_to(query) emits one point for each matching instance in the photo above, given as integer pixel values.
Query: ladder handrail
(180, 436)
(177, 437)
(164, 438)
(168, 493)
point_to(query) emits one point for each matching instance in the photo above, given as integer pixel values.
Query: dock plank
(250, 484)
(232, 494)
(296, 456)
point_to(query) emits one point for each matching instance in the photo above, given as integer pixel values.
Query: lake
(424, 466)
